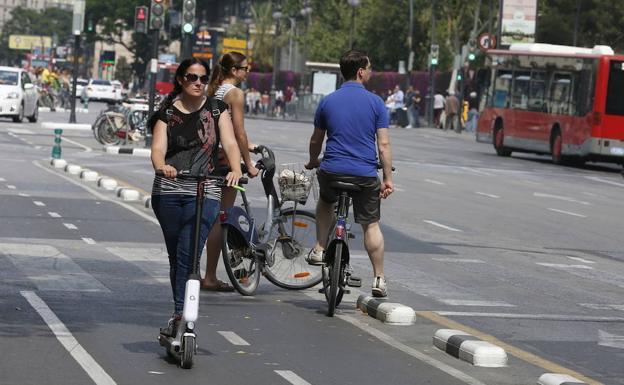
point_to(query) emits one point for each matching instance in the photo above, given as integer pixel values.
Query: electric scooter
(183, 344)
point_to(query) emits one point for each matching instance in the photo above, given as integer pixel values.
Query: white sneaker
(315, 257)
(408, 126)
(379, 287)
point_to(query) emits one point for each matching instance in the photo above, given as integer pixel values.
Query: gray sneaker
(380, 289)
(315, 257)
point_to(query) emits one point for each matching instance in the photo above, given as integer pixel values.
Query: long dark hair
(228, 61)
(177, 87)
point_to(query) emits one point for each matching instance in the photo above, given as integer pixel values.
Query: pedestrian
(473, 112)
(400, 115)
(228, 74)
(451, 109)
(356, 124)
(438, 107)
(279, 103)
(264, 102)
(187, 131)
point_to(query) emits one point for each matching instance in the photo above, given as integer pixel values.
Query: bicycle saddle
(344, 186)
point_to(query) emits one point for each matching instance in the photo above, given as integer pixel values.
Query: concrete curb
(469, 348)
(144, 152)
(387, 312)
(66, 126)
(558, 379)
(78, 110)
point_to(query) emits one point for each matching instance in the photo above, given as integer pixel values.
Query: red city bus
(164, 77)
(546, 99)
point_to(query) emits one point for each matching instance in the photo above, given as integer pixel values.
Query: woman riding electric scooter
(187, 131)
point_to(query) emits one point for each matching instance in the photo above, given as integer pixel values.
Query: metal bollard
(56, 149)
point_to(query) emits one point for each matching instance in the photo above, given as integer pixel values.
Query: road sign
(486, 41)
(28, 42)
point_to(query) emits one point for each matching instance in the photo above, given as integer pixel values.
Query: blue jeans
(176, 215)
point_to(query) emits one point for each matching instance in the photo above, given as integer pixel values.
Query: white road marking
(434, 182)
(24, 195)
(39, 203)
(49, 269)
(153, 372)
(477, 171)
(70, 226)
(442, 226)
(89, 241)
(86, 148)
(461, 302)
(610, 340)
(38, 147)
(458, 260)
(601, 306)
(568, 213)
(21, 131)
(564, 266)
(82, 357)
(292, 377)
(487, 195)
(398, 189)
(100, 196)
(561, 198)
(550, 317)
(2, 180)
(601, 180)
(233, 338)
(153, 261)
(11, 187)
(54, 215)
(579, 259)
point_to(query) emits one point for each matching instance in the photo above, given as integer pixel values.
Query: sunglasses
(245, 68)
(192, 78)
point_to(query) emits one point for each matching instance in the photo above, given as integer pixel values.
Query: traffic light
(140, 19)
(188, 16)
(472, 47)
(459, 76)
(157, 14)
(435, 54)
(90, 25)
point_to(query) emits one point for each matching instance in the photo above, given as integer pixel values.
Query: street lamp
(277, 15)
(353, 4)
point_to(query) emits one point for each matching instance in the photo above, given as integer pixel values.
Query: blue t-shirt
(351, 116)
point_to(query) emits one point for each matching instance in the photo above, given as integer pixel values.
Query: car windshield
(101, 82)
(8, 78)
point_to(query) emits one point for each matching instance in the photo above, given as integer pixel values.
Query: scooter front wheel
(188, 351)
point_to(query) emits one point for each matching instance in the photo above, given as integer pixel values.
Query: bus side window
(560, 93)
(537, 91)
(502, 84)
(520, 94)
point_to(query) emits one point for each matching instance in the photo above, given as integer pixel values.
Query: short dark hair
(351, 61)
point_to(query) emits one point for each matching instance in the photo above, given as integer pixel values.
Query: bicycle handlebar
(221, 181)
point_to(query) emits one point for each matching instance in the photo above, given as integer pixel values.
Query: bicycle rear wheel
(292, 238)
(106, 130)
(333, 274)
(241, 265)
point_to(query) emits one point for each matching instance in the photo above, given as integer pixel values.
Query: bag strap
(214, 106)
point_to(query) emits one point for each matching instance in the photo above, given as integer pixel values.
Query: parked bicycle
(276, 248)
(121, 122)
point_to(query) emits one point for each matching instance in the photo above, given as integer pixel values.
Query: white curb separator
(387, 312)
(468, 348)
(147, 201)
(73, 169)
(128, 194)
(89, 175)
(107, 183)
(66, 126)
(58, 163)
(558, 379)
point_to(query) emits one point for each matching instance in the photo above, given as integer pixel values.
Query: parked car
(18, 95)
(119, 87)
(102, 90)
(80, 84)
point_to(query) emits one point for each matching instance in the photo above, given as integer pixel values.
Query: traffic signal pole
(152, 86)
(72, 113)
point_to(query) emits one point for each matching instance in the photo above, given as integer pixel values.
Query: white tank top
(223, 89)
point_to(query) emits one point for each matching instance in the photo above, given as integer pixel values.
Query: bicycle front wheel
(292, 238)
(241, 264)
(106, 130)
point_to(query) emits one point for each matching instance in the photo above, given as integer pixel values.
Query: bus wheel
(499, 139)
(555, 149)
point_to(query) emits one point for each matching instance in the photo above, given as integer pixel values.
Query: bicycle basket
(294, 182)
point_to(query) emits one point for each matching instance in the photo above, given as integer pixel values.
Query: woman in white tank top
(226, 76)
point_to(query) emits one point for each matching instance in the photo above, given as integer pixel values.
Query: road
(519, 251)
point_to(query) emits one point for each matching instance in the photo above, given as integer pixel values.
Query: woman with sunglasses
(228, 74)
(187, 131)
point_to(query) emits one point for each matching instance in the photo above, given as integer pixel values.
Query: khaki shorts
(366, 203)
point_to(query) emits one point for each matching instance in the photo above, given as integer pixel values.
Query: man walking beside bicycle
(356, 124)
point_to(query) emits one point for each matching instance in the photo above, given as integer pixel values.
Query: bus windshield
(615, 103)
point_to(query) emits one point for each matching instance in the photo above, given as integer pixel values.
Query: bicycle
(336, 272)
(121, 122)
(278, 247)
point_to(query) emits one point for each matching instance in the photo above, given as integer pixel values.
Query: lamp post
(353, 4)
(277, 15)
(248, 20)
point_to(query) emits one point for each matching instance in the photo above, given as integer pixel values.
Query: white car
(102, 90)
(80, 85)
(18, 95)
(119, 87)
